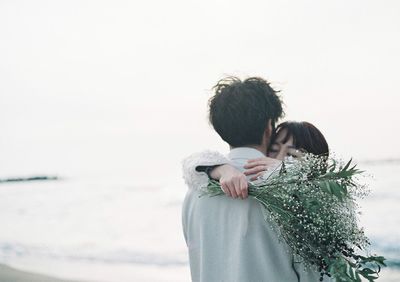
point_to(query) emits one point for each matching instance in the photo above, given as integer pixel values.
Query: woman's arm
(194, 176)
(233, 181)
(199, 167)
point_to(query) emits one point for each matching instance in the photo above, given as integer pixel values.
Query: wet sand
(10, 274)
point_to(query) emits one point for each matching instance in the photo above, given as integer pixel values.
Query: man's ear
(268, 129)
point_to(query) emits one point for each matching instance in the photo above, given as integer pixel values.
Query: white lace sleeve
(195, 179)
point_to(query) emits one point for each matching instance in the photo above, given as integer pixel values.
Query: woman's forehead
(283, 136)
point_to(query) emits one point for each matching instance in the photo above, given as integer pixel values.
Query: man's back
(229, 240)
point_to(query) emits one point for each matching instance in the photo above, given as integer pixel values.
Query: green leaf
(334, 188)
(367, 271)
(325, 186)
(347, 165)
(337, 190)
(358, 277)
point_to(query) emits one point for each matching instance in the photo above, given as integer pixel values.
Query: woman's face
(280, 149)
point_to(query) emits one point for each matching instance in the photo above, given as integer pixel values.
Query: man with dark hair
(240, 111)
(228, 239)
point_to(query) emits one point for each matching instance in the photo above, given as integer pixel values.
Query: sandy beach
(10, 274)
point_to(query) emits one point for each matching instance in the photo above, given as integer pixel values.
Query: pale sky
(90, 87)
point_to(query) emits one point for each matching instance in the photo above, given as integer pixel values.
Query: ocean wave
(390, 249)
(392, 161)
(9, 250)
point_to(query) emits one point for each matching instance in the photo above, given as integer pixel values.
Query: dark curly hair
(240, 110)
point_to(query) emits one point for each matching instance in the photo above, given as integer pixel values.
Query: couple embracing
(226, 236)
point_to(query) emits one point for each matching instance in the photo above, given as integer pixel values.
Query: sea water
(116, 229)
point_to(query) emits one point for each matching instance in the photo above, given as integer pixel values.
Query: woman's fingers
(257, 169)
(238, 191)
(261, 161)
(255, 166)
(244, 188)
(229, 187)
(233, 191)
(255, 163)
(255, 177)
(225, 188)
(234, 183)
(235, 186)
(256, 160)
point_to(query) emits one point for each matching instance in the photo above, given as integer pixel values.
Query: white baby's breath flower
(312, 203)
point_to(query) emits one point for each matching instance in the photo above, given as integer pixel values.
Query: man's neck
(260, 148)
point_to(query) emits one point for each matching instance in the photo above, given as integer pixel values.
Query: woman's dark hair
(305, 136)
(240, 110)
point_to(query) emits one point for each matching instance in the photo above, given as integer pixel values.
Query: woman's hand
(259, 166)
(233, 182)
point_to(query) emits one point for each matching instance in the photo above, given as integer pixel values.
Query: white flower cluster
(312, 202)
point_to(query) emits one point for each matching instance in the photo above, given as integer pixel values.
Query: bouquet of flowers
(312, 202)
